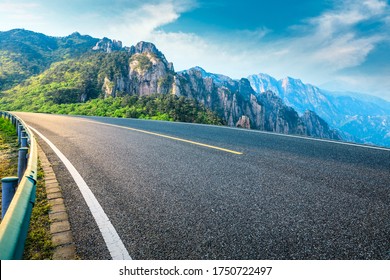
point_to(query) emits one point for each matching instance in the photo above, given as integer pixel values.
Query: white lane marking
(168, 137)
(322, 140)
(262, 132)
(290, 136)
(113, 241)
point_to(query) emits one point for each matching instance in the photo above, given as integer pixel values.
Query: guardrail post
(20, 127)
(23, 133)
(22, 162)
(8, 186)
(23, 142)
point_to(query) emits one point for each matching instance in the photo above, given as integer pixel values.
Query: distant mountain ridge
(359, 117)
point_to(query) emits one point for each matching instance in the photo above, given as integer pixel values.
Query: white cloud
(22, 12)
(375, 6)
(317, 51)
(333, 40)
(189, 50)
(373, 84)
(140, 22)
(12, 7)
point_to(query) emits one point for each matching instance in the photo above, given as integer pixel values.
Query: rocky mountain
(80, 68)
(107, 45)
(234, 101)
(239, 105)
(144, 71)
(359, 117)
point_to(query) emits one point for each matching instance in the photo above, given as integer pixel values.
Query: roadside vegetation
(74, 86)
(8, 151)
(38, 243)
(155, 107)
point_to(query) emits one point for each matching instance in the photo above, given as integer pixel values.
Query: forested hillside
(65, 76)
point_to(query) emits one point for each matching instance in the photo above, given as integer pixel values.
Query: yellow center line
(170, 137)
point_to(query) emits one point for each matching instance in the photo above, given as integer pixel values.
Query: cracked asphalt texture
(284, 198)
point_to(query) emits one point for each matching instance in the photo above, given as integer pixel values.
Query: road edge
(60, 230)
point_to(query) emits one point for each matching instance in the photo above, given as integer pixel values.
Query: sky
(339, 45)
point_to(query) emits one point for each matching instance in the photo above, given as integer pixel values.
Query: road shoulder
(60, 229)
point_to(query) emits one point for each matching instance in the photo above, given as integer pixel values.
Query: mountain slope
(25, 53)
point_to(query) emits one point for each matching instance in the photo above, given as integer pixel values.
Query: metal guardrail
(15, 224)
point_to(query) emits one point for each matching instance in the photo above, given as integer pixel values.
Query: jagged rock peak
(108, 45)
(218, 79)
(263, 82)
(145, 47)
(206, 74)
(289, 82)
(75, 34)
(245, 86)
(199, 72)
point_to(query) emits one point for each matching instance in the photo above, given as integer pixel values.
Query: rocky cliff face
(230, 99)
(296, 94)
(107, 45)
(239, 105)
(278, 117)
(148, 72)
(317, 127)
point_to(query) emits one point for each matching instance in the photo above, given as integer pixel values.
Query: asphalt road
(282, 198)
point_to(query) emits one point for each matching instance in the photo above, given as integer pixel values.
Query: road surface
(185, 191)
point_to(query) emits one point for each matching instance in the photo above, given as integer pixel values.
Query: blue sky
(337, 45)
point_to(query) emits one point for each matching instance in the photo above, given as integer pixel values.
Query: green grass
(8, 151)
(8, 137)
(38, 243)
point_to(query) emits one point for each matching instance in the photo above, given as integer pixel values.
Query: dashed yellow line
(170, 137)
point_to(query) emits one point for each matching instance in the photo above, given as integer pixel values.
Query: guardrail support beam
(22, 134)
(8, 188)
(24, 142)
(22, 162)
(19, 130)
